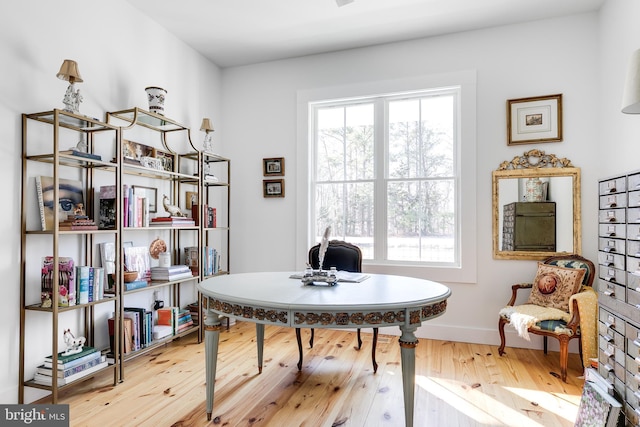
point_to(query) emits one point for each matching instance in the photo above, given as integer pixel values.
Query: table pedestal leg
(408, 342)
(260, 344)
(212, 329)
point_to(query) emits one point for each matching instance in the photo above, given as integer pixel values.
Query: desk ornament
(320, 276)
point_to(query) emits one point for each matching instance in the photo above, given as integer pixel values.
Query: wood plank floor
(457, 384)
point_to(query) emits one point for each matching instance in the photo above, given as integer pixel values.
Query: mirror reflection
(536, 207)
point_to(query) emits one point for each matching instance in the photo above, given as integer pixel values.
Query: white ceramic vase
(156, 96)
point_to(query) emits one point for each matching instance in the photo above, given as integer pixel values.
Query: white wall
(539, 58)
(119, 53)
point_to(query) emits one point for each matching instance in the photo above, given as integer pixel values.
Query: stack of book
(179, 319)
(77, 222)
(174, 272)
(194, 308)
(70, 368)
(173, 221)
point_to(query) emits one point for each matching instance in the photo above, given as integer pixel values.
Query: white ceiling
(240, 32)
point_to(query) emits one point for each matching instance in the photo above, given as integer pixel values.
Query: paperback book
(66, 283)
(47, 380)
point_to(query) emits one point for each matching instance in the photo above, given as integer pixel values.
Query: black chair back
(341, 255)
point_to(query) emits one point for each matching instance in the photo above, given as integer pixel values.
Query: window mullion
(381, 175)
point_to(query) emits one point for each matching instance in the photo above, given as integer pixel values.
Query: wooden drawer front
(613, 230)
(616, 246)
(617, 216)
(633, 215)
(613, 275)
(633, 281)
(633, 351)
(634, 182)
(611, 260)
(633, 374)
(615, 185)
(633, 231)
(612, 290)
(633, 297)
(613, 201)
(612, 321)
(606, 361)
(632, 397)
(632, 332)
(634, 199)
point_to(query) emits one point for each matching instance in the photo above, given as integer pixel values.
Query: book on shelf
(597, 407)
(47, 380)
(72, 363)
(194, 308)
(172, 222)
(127, 332)
(141, 325)
(83, 154)
(67, 372)
(66, 284)
(70, 195)
(64, 359)
(77, 222)
(174, 272)
(136, 284)
(107, 207)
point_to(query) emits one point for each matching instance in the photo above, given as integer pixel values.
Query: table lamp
(72, 98)
(208, 129)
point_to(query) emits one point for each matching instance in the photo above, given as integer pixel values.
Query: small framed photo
(273, 188)
(150, 194)
(191, 198)
(534, 120)
(273, 166)
(166, 159)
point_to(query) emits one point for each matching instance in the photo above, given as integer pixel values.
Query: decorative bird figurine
(324, 244)
(173, 210)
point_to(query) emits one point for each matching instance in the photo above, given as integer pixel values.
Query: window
(406, 194)
(385, 175)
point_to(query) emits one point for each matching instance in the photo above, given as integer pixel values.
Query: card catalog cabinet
(619, 290)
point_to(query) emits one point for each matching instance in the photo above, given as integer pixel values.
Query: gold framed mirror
(536, 207)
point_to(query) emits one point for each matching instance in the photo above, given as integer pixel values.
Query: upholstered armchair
(344, 257)
(562, 305)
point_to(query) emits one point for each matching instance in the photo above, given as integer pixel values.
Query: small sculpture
(173, 210)
(74, 345)
(324, 244)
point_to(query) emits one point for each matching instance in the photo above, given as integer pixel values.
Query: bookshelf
(48, 295)
(158, 156)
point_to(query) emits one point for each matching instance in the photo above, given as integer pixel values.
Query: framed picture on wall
(533, 120)
(273, 166)
(273, 188)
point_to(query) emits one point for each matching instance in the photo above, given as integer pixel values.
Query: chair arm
(574, 322)
(514, 291)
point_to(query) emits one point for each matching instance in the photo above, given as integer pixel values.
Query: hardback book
(107, 207)
(70, 195)
(62, 359)
(73, 363)
(84, 273)
(83, 154)
(127, 333)
(46, 380)
(136, 284)
(66, 284)
(67, 372)
(597, 407)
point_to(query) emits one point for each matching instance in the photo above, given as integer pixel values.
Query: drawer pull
(637, 344)
(610, 249)
(609, 293)
(608, 367)
(609, 338)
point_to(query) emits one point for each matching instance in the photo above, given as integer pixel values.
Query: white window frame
(465, 272)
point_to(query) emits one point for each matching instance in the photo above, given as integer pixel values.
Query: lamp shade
(69, 71)
(206, 125)
(631, 95)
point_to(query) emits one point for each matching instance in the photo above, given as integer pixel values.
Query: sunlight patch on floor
(568, 404)
(469, 401)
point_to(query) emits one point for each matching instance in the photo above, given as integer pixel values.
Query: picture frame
(191, 198)
(273, 166)
(133, 152)
(273, 188)
(534, 120)
(167, 159)
(150, 193)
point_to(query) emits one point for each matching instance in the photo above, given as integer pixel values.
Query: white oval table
(273, 298)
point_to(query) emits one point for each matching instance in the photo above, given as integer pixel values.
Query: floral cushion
(554, 285)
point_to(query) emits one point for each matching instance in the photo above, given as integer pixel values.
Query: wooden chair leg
(360, 340)
(501, 323)
(564, 357)
(580, 351)
(311, 338)
(299, 349)
(544, 344)
(373, 349)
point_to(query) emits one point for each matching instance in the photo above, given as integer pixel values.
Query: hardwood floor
(457, 384)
